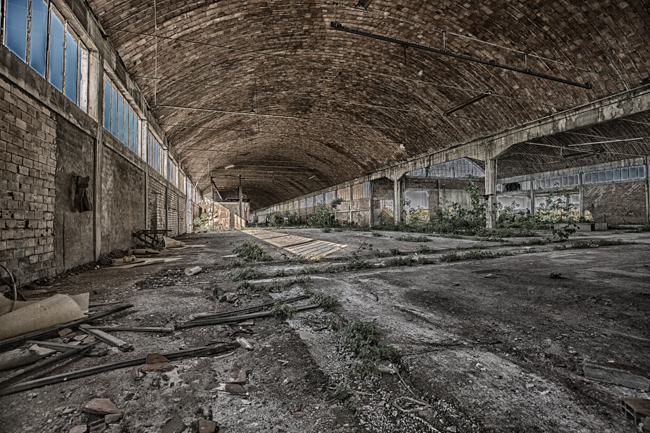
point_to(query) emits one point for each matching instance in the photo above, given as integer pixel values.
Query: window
(366, 190)
(319, 199)
(154, 153)
(172, 172)
(57, 34)
(38, 44)
(119, 117)
(16, 28)
(330, 196)
(624, 173)
(462, 167)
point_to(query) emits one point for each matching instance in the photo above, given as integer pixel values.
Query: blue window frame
(71, 67)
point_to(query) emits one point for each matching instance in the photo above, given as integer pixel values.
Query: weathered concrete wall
(122, 190)
(27, 184)
(73, 230)
(617, 203)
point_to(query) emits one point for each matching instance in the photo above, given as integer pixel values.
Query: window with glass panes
(26, 34)
(119, 117)
(154, 153)
(172, 172)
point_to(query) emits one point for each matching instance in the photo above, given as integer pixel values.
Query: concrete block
(617, 374)
(599, 227)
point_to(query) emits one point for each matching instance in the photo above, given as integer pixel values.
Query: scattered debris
(39, 315)
(37, 383)
(52, 329)
(19, 357)
(233, 388)
(207, 426)
(174, 425)
(101, 406)
(112, 418)
(193, 271)
(244, 343)
(172, 243)
(107, 338)
(618, 374)
(131, 328)
(237, 376)
(156, 362)
(79, 429)
(64, 332)
(228, 297)
(305, 335)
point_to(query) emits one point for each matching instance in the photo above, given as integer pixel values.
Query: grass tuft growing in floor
(327, 302)
(249, 250)
(275, 286)
(362, 339)
(473, 255)
(248, 274)
(284, 311)
(411, 238)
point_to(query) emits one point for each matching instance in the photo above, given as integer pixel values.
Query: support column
(241, 207)
(490, 193)
(647, 190)
(581, 191)
(350, 205)
(532, 197)
(97, 163)
(372, 214)
(397, 200)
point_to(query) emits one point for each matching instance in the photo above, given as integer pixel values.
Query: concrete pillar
(350, 206)
(647, 190)
(97, 163)
(490, 193)
(532, 197)
(397, 200)
(581, 192)
(241, 203)
(370, 205)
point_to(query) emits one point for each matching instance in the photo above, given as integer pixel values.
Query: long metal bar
(41, 333)
(468, 102)
(197, 352)
(445, 52)
(609, 141)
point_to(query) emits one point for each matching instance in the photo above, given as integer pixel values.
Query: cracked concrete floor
(492, 345)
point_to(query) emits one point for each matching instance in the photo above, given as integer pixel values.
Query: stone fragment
(305, 335)
(618, 374)
(236, 376)
(207, 426)
(156, 358)
(174, 425)
(233, 388)
(100, 406)
(112, 418)
(244, 343)
(79, 429)
(193, 270)
(64, 332)
(89, 339)
(19, 357)
(162, 366)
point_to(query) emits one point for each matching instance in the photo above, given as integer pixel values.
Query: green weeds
(327, 302)
(410, 238)
(248, 274)
(249, 250)
(362, 339)
(284, 311)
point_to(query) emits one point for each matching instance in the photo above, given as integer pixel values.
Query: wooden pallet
(636, 408)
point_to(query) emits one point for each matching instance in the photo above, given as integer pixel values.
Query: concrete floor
(491, 345)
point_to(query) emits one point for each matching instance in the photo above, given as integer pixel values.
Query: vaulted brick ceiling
(269, 87)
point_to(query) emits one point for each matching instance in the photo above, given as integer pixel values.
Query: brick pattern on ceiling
(364, 97)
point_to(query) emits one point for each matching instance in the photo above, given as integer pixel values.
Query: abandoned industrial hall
(324, 216)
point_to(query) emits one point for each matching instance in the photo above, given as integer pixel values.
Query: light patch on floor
(298, 245)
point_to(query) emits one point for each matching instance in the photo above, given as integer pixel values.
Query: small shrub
(327, 302)
(284, 311)
(450, 257)
(377, 234)
(326, 230)
(400, 261)
(357, 265)
(555, 275)
(250, 250)
(279, 273)
(362, 339)
(424, 249)
(396, 252)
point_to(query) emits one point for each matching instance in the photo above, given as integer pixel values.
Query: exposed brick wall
(27, 169)
(616, 203)
(172, 212)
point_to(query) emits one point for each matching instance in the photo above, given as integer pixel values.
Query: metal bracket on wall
(81, 201)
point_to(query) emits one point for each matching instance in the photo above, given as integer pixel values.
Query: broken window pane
(107, 105)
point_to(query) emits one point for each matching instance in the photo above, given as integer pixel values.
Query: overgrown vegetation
(425, 249)
(592, 244)
(248, 274)
(344, 393)
(275, 286)
(555, 275)
(203, 224)
(250, 250)
(327, 302)
(362, 339)
(473, 255)
(284, 311)
(410, 238)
